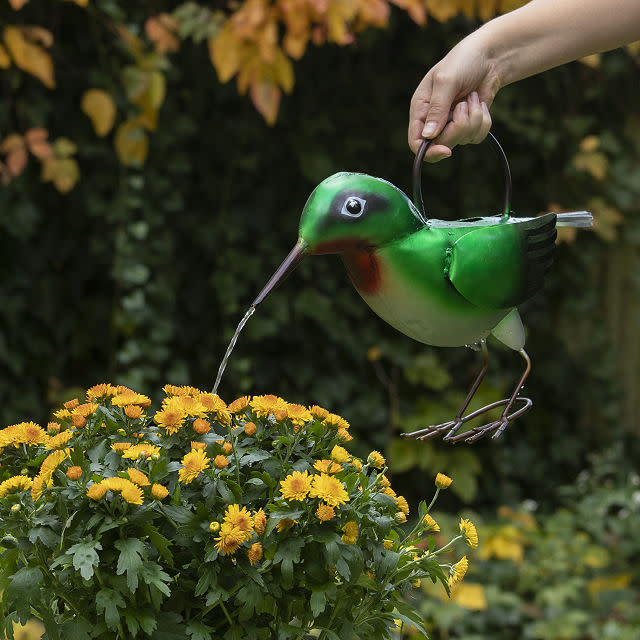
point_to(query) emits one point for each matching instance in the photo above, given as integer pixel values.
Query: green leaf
(24, 589)
(48, 537)
(161, 543)
(288, 553)
(85, 557)
(199, 631)
(109, 601)
(137, 619)
(77, 629)
(318, 601)
(250, 597)
(153, 575)
(130, 560)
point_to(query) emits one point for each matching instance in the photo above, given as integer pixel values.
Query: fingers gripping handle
(417, 175)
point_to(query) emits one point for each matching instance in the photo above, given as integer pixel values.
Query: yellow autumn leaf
(63, 172)
(283, 71)
(595, 163)
(443, 10)
(131, 143)
(224, 52)
(266, 98)
(63, 147)
(606, 219)
(5, 60)
(16, 5)
(161, 30)
(29, 57)
(101, 109)
(16, 154)
(36, 139)
(338, 16)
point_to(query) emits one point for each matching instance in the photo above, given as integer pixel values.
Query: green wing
(503, 265)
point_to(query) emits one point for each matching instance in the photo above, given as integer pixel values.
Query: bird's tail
(582, 219)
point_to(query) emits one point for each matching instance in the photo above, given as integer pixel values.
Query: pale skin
(451, 103)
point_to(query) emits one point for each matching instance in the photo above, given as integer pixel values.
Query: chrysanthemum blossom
(201, 426)
(336, 421)
(259, 521)
(339, 454)
(220, 461)
(239, 404)
(133, 411)
(318, 412)
(329, 489)
(325, 512)
(285, 524)
(194, 463)
(350, 532)
(255, 553)
(469, 533)
(250, 428)
(229, 539)
(74, 473)
(327, 466)
(442, 481)
(143, 450)
(138, 477)
(298, 414)
(376, 459)
(240, 518)
(458, 571)
(296, 486)
(159, 491)
(268, 405)
(15, 484)
(171, 419)
(430, 523)
(60, 439)
(401, 501)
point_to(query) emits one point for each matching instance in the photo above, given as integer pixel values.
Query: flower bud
(214, 526)
(15, 507)
(442, 481)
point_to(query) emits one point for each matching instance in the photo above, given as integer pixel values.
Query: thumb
(442, 96)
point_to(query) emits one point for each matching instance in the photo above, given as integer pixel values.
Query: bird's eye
(353, 206)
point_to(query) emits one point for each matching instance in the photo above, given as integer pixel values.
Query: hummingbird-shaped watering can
(443, 283)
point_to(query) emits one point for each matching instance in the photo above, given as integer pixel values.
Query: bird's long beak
(299, 251)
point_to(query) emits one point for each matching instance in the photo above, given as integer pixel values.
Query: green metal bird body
(443, 283)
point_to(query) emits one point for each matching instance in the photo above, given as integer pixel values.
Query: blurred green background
(133, 256)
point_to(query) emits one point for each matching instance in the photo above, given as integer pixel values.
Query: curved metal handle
(417, 175)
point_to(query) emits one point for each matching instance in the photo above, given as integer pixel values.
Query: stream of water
(232, 344)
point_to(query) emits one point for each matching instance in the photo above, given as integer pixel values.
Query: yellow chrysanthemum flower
(351, 531)
(458, 571)
(24, 433)
(215, 405)
(194, 463)
(220, 461)
(376, 459)
(138, 477)
(130, 397)
(201, 426)
(442, 481)
(356, 464)
(390, 492)
(387, 544)
(339, 454)
(239, 404)
(100, 391)
(159, 491)
(401, 501)
(53, 428)
(191, 406)
(142, 450)
(250, 428)
(71, 404)
(430, 523)
(229, 539)
(298, 414)
(60, 440)
(170, 418)
(329, 489)
(260, 521)
(336, 421)
(133, 411)
(295, 486)
(198, 445)
(15, 484)
(51, 463)
(468, 531)
(268, 405)
(85, 410)
(325, 512)
(62, 414)
(74, 473)
(255, 553)
(121, 446)
(344, 435)
(239, 518)
(96, 491)
(318, 412)
(327, 466)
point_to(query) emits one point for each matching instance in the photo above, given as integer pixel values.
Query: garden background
(155, 160)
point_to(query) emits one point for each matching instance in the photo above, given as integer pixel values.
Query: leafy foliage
(249, 520)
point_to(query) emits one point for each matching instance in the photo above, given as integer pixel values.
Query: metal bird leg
(452, 426)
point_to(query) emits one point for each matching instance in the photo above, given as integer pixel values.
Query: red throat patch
(363, 268)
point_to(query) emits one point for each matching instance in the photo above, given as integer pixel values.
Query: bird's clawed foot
(452, 427)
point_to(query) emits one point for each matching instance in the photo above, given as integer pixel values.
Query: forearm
(547, 33)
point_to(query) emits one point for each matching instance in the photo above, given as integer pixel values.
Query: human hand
(451, 104)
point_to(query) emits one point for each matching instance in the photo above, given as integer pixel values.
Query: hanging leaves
(28, 55)
(99, 106)
(131, 143)
(162, 31)
(60, 167)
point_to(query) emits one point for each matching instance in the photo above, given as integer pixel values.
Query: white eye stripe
(353, 207)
